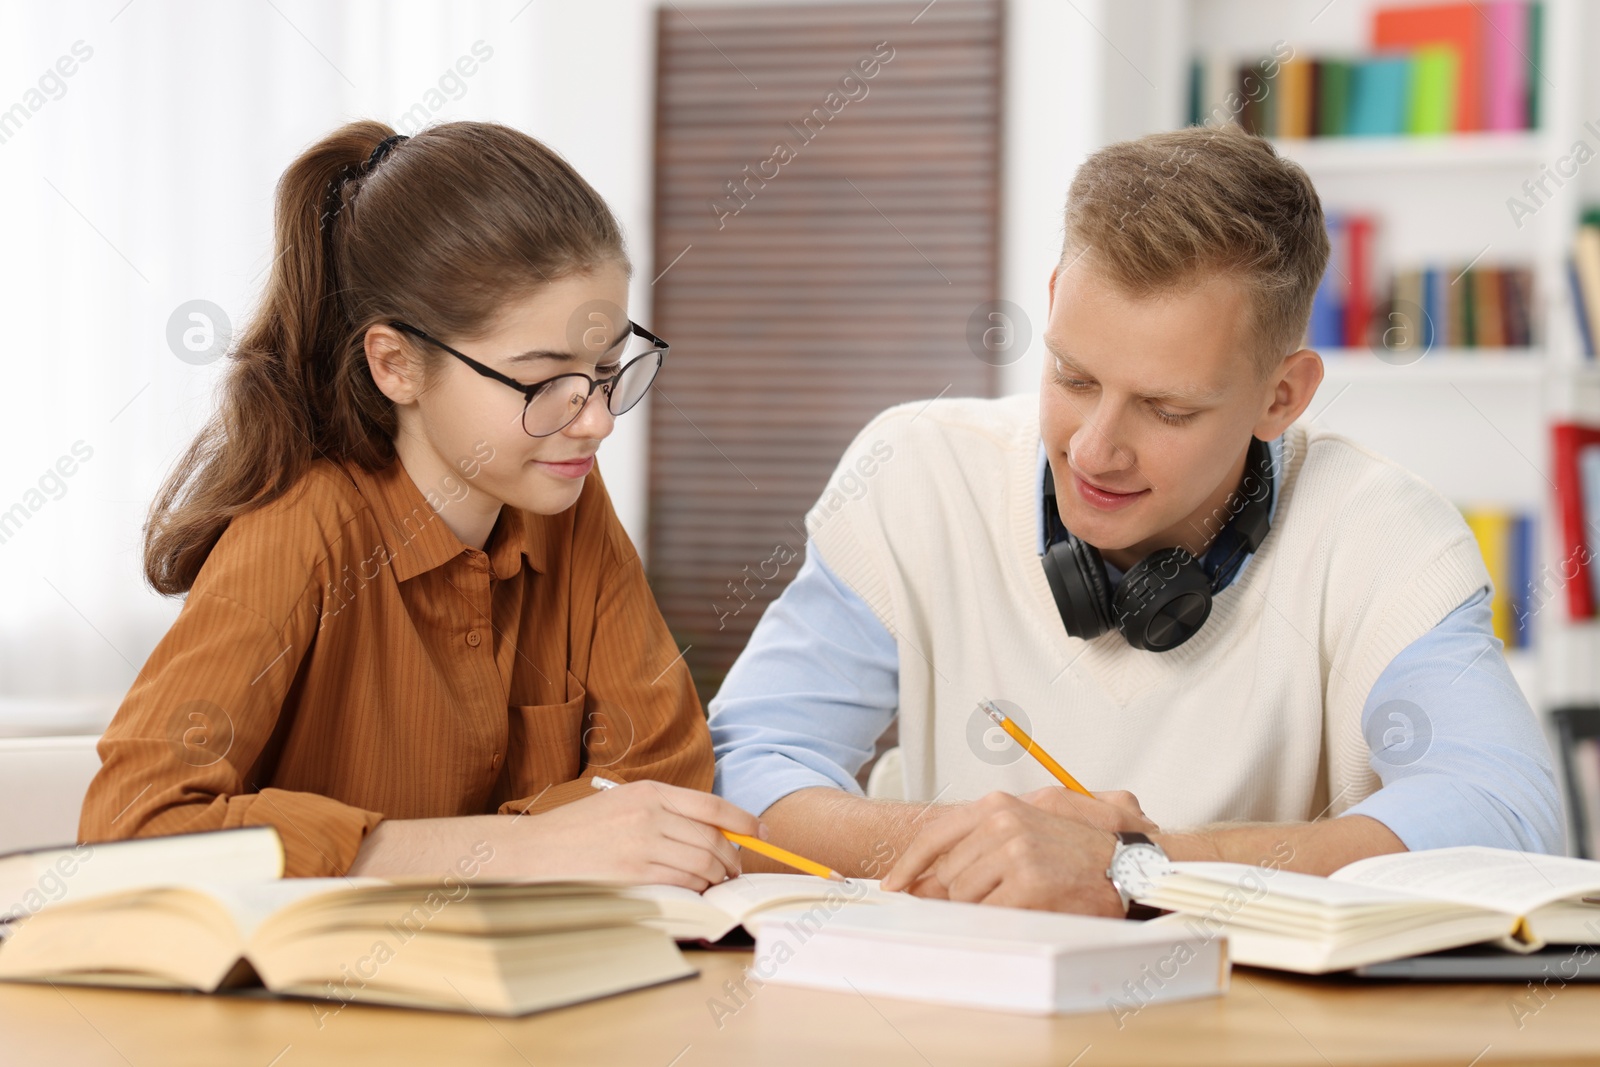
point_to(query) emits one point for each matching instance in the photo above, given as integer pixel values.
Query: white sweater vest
(931, 517)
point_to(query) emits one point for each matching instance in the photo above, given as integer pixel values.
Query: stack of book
(1439, 68)
(1506, 540)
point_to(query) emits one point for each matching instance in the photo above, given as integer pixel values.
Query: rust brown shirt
(344, 658)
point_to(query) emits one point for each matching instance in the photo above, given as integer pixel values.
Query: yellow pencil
(1021, 737)
(755, 844)
(783, 855)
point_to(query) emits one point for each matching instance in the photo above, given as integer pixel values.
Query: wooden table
(1265, 1019)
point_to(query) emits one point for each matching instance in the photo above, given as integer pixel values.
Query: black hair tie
(385, 146)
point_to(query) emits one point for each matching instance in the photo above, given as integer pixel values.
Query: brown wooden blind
(821, 239)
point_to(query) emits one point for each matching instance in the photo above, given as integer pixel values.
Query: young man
(1345, 697)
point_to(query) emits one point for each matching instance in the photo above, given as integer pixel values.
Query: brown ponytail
(443, 231)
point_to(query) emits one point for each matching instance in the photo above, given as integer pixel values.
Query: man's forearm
(1320, 847)
(857, 837)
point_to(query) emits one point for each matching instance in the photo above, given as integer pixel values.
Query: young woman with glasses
(414, 628)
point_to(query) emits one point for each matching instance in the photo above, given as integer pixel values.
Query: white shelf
(1520, 150)
(1506, 366)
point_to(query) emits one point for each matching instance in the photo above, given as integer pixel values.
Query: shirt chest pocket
(545, 741)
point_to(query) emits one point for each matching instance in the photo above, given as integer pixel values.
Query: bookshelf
(1473, 421)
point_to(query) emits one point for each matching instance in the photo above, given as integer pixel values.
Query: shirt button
(494, 764)
(473, 638)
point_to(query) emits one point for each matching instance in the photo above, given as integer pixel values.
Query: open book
(1384, 907)
(712, 915)
(42, 877)
(495, 948)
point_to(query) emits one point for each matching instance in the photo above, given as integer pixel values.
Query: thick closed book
(981, 956)
(712, 915)
(1384, 907)
(491, 948)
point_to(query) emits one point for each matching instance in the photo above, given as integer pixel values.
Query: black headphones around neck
(1164, 598)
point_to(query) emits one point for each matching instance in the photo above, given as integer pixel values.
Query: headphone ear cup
(1077, 578)
(1163, 600)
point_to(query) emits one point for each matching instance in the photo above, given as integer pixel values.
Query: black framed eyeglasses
(550, 406)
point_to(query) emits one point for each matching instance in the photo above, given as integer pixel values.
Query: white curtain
(143, 180)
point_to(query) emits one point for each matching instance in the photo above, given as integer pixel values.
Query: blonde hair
(1170, 210)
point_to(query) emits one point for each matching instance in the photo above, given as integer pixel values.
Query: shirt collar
(418, 539)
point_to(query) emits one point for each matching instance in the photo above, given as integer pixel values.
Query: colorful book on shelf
(1378, 92)
(1333, 97)
(1433, 69)
(1505, 71)
(1358, 294)
(1433, 308)
(1432, 101)
(1586, 268)
(1586, 762)
(1458, 28)
(1506, 541)
(1521, 552)
(1589, 490)
(1580, 531)
(1482, 307)
(1294, 99)
(1326, 329)
(1533, 75)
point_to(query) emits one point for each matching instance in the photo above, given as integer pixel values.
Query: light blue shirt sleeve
(1460, 753)
(807, 699)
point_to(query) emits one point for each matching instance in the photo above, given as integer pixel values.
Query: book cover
(1433, 309)
(1459, 27)
(1491, 528)
(1358, 268)
(1489, 328)
(1534, 76)
(1566, 440)
(1584, 325)
(1435, 73)
(1333, 96)
(1521, 577)
(1589, 484)
(1586, 260)
(1378, 96)
(1294, 103)
(1505, 71)
(1327, 306)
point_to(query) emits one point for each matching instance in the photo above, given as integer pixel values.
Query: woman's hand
(645, 832)
(641, 832)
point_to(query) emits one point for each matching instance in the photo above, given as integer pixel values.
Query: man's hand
(1110, 811)
(1004, 850)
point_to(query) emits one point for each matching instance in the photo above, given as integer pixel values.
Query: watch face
(1135, 867)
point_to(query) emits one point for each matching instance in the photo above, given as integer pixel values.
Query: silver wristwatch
(1135, 863)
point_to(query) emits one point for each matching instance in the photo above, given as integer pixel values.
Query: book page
(744, 896)
(252, 903)
(1515, 882)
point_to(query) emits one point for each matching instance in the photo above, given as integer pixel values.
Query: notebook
(982, 956)
(717, 912)
(1384, 907)
(490, 948)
